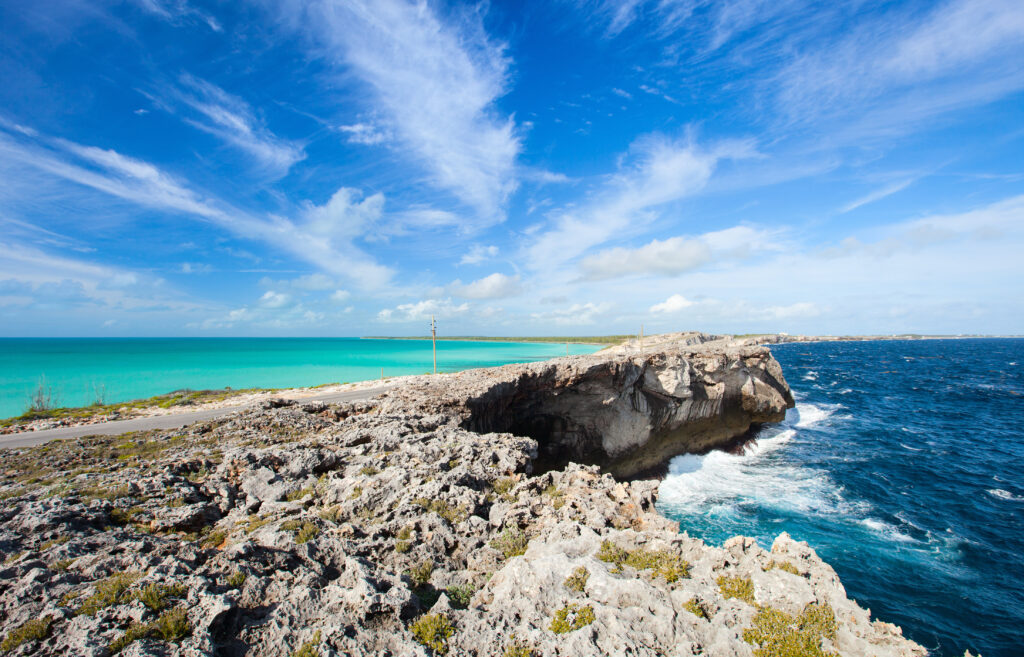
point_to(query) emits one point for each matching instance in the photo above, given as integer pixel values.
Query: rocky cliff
(442, 519)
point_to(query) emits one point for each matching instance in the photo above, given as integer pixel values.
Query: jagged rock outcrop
(395, 528)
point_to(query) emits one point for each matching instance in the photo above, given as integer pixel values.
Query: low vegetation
(433, 631)
(662, 563)
(107, 593)
(309, 648)
(518, 648)
(776, 633)
(454, 515)
(571, 617)
(34, 630)
(172, 626)
(741, 588)
(511, 543)
(578, 580)
(784, 566)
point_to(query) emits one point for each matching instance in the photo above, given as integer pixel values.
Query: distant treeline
(593, 339)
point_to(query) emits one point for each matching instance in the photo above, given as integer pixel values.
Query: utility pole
(433, 339)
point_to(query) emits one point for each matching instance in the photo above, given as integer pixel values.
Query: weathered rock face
(392, 529)
(619, 409)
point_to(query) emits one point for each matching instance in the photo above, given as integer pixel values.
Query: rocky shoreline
(465, 514)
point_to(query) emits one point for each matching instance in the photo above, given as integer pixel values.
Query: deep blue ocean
(902, 466)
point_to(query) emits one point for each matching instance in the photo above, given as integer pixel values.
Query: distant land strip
(593, 339)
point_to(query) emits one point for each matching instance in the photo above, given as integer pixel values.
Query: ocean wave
(809, 415)
(810, 376)
(1005, 495)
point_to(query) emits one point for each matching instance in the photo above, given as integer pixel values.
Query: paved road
(29, 438)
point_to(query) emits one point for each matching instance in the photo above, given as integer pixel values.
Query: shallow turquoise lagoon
(80, 369)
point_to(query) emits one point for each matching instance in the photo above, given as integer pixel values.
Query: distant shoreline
(591, 340)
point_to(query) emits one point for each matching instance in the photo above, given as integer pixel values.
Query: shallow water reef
(443, 519)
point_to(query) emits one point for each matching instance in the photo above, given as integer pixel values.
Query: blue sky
(177, 167)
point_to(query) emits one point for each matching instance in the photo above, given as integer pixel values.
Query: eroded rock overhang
(624, 410)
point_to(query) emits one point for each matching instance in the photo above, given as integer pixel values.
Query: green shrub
(297, 495)
(309, 648)
(169, 626)
(778, 634)
(741, 588)
(578, 580)
(402, 540)
(453, 515)
(518, 648)
(511, 543)
(155, 596)
(571, 617)
(368, 470)
(460, 595)
(107, 592)
(694, 608)
(504, 486)
(557, 496)
(433, 631)
(783, 566)
(236, 579)
(308, 532)
(421, 572)
(214, 539)
(661, 563)
(33, 630)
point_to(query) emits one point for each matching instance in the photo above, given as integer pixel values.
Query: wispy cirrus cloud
(661, 171)
(435, 81)
(232, 120)
(322, 235)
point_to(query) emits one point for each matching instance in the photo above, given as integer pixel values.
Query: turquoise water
(901, 465)
(119, 369)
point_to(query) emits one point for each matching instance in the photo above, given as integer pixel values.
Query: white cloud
(271, 299)
(365, 133)
(321, 235)
(195, 268)
(231, 119)
(876, 195)
(495, 286)
(673, 304)
(576, 314)
(341, 295)
(622, 93)
(423, 310)
(436, 81)
(478, 253)
(663, 171)
(176, 10)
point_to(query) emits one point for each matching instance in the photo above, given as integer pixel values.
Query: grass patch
(578, 580)
(304, 531)
(402, 540)
(694, 608)
(368, 470)
(309, 648)
(297, 495)
(171, 626)
(34, 630)
(518, 648)
(236, 579)
(778, 634)
(570, 618)
(107, 593)
(784, 566)
(661, 563)
(156, 596)
(741, 588)
(504, 486)
(421, 572)
(557, 496)
(453, 514)
(511, 543)
(433, 631)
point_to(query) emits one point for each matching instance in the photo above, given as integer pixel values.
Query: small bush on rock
(571, 617)
(778, 634)
(33, 630)
(309, 648)
(421, 572)
(460, 595)
(661, 563)
(694, 608)
(578, 580)
(155, 596)
(453, 515)
(236, 579)
(511, 543)
(108, 592)
(740, 588)
(518, 648)
(433, 631)
(170, 626)
(783, 566)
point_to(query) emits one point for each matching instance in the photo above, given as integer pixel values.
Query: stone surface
(346, 528)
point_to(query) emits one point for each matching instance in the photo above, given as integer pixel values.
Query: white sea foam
(1005, 495)
(808, 415)
(886, 529)
(718, 482)
(811, 375)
